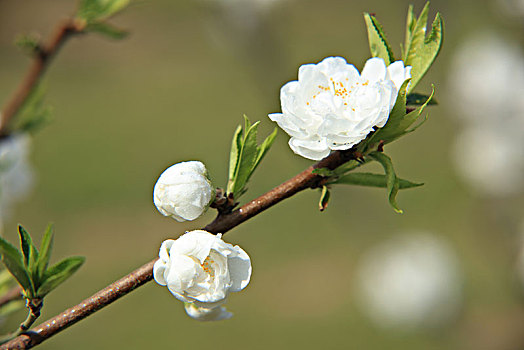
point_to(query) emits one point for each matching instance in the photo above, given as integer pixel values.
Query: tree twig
(43, 56)
(13, 294)
(144, 274)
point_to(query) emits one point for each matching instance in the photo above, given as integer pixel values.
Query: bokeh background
(176, 88)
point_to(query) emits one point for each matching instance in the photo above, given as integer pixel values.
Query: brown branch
(85, 308)
(223, 223)
(43, 56)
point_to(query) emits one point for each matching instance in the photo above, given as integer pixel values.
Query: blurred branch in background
(43, 55)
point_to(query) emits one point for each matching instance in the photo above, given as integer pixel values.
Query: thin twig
(13, 294)
(43, 56)
(223, 223)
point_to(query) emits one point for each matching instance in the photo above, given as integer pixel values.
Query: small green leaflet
(420, 51)
(58, 273)
(415, 99)
(14, 262)
(399, 123)
(34, 113)
(372, 180)
(378, 44)
(30, 267)
(107, 30)
(99, 10)
(392, 182)
(245, 156)
(324, 198)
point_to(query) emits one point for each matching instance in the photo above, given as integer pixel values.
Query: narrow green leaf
(392, 182)
(378, 44)
(46, 248)
(248, 155)
(107, 30)
(34, 113)
(236, 146)
(58, 273)
(372, 180)
(263, 149)
(25, 244)
(14, 262)
(410, 27)
(415, 99)
(421, 51)
(324, 198)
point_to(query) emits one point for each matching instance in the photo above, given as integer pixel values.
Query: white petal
(314, 149)
(398, 73)
(239, 265)
(204, 314)
(159, 269)
(374, 70)
(195, 243)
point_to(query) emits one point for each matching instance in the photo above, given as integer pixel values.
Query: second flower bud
(183, 191)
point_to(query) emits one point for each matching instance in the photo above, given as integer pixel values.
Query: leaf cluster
(246, 154)
(30, 266)
(95, 13)
(419, 50)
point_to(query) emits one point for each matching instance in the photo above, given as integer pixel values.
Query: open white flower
(183, 191)
(333, 107)
(202, 269)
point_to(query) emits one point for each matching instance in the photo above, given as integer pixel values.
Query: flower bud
(183, 191)
(201, 269)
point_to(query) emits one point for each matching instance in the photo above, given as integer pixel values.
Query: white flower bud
(200, 268)
(333, 107)
(183, 191)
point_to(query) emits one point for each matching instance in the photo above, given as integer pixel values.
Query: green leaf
(34, 113)
(107, 30)
(25, 244)
(46, 247)
(324, 198)
(411, 22)
(28, 43)
(264, 148)
(392, 182)
(378, 44)
(421, 51)
(246, 155)
(399, 122)
(415, 99)
(58, 273)
(14, 262)
(98, 10)
(323, 172)
(372, 180)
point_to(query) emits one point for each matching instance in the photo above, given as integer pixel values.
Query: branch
(223, 223)
(43, 56)
(13, 294)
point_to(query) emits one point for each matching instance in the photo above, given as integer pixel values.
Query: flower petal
(374, 70)
(204, 314)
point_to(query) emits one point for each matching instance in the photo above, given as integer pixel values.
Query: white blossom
(16, 174)
(202, 269)
(183, 191)
(333, 107)
(410, 282)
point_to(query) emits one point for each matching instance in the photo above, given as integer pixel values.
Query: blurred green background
(174, 90)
